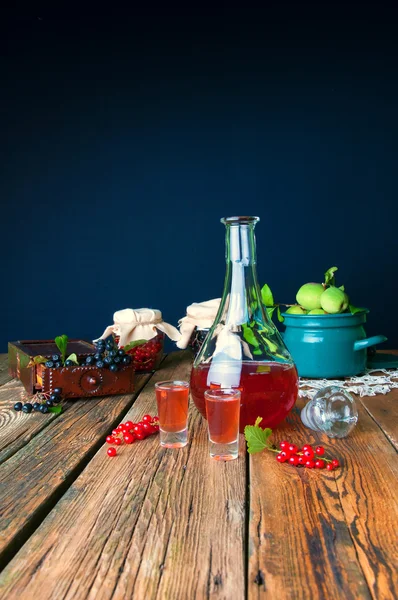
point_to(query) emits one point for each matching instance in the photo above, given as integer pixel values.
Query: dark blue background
(125, 140)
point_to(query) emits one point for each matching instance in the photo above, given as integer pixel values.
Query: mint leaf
(73, 358)
(354, 309)
(55, 409)
(249, 336)
(62, 343)
(266, 295)
(256, 437)
(329, 275)
(342, 288)
(278, 314)
(134, 344)
(270, 310)
(39, 360)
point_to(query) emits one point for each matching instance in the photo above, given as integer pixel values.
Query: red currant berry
(283, 445)
(155, 428)
(111, 452)
(280, 458)
(115, 432)
(320, 464)
(310, 464)
(140, 435)
(155, 418)
(129, 425)
(117, 442)
(320, 450)
(302, 460)
(147, 428)
(285, 453)
(119, 428)
(292, 448)
(308, 452)
(129, 438)
(110, 439)
(335, 463)
(146, 419)
(137, 428)
(329, 467)
(294, 460)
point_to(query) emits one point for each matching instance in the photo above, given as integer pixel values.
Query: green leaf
(62, 343)
(329, 275)
(134, 344)
(73, 358)
(249, 336)
(278, 314)
(266, 295)
(270, 310)
(256, 437)
(55, 409)
(39, 360)
(342, 288)
(354, 309)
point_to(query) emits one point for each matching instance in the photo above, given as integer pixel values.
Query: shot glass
(173, 399)
(223, 409)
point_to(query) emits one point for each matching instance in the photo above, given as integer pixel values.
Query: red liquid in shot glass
(223, 419)
(173, 408)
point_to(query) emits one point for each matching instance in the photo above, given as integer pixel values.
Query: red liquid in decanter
(268, 390)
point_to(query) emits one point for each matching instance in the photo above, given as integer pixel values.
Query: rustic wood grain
(34, 477)
(4, 376)
(149, 523)
(323, 535)
(17, 428)
(384, 411)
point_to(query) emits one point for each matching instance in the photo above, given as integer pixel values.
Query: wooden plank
(384, 411)
(323, 535)
(17, 428)
(149, 523)
(4, 376)
(38, 474)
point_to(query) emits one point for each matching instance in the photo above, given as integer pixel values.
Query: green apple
(296, 310)
(309, 295)
(333, 300)
(317, 311)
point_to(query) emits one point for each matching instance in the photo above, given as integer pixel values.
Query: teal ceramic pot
(328, 346)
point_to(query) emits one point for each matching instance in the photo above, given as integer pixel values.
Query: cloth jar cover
(139, 324)
(200, 315)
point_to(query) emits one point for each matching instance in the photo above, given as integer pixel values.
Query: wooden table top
(172, 524)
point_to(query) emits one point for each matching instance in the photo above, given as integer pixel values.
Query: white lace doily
(373, 382)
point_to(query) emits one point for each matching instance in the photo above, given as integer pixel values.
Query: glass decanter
(243, 349)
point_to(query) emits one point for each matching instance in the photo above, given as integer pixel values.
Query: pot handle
(367, 342)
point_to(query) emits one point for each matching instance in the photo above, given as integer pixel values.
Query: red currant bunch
(129, 432)
(305, 457)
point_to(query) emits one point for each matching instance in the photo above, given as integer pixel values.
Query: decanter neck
(241, 290)
(240, 243)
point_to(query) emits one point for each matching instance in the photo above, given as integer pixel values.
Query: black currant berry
(55, 397)
(117, 359)
(121, 352)
(49, 364)
(100, 364)
(57, 391)
(90, 360)
(113, 368)
(49, 403)
(55, 357)
(69, 363)
(18, 406)
(43, 408)
(58, 365)
(36, 406)
(126, 360)
(27, 407)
